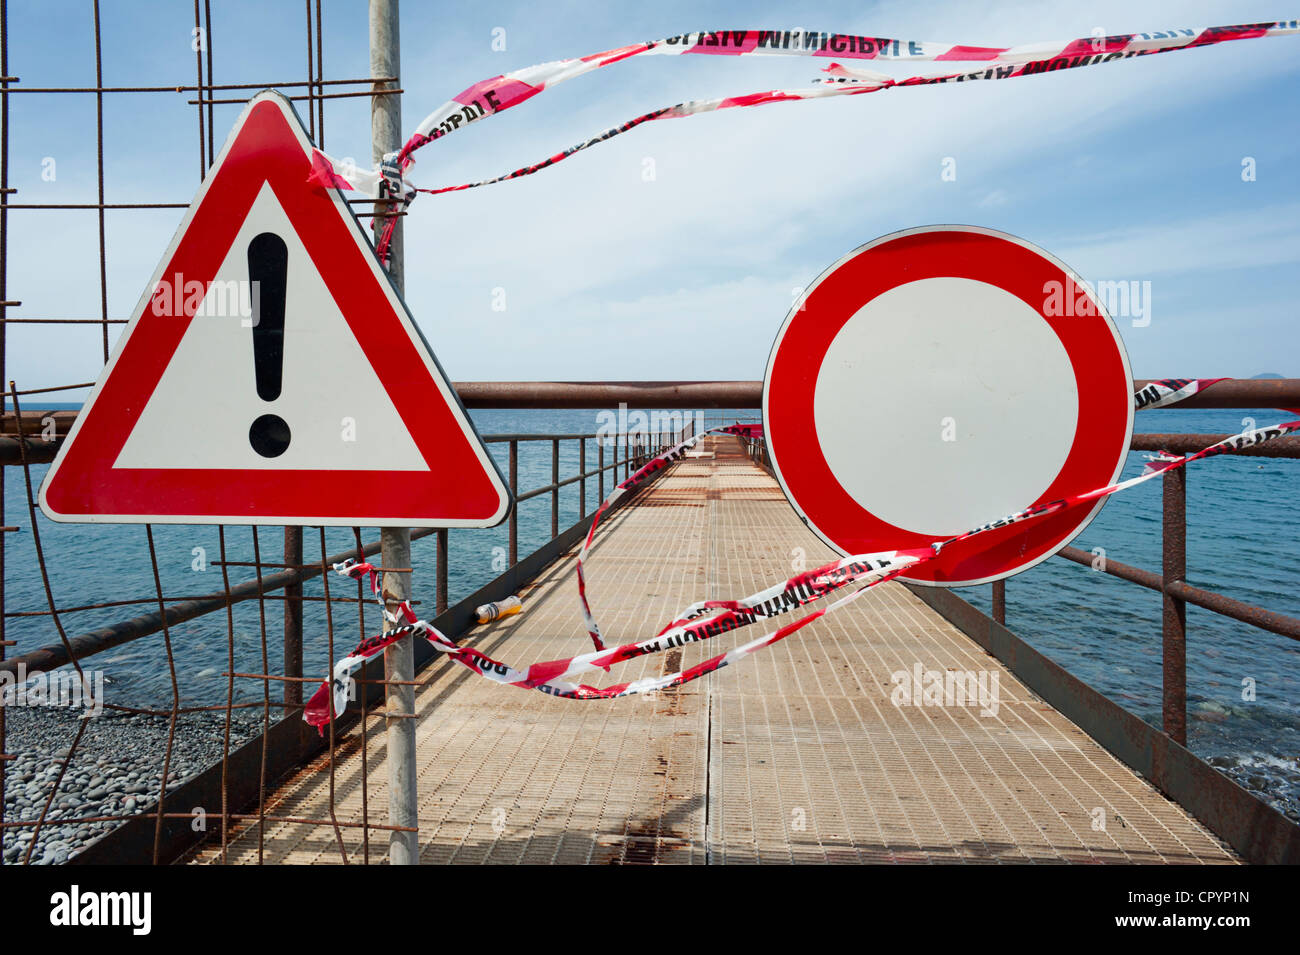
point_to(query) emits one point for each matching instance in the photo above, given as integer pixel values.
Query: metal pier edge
(1252, 827)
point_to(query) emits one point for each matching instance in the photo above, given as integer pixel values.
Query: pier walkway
(797, 754)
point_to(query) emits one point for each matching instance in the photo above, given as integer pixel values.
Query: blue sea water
(1241, 541)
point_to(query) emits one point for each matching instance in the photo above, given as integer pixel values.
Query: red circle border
(1102, 380)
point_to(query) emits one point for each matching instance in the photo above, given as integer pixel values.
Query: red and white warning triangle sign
(271, 374)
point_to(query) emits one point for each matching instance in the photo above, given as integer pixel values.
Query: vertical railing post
(1000, 601)
(514, 511)
(441, 600)
(582, 482)
(293, 618)
(1174, 629)
(600, 466)
(555, 491)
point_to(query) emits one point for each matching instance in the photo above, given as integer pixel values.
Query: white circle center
(945, 403)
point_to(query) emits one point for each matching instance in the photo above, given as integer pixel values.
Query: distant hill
(1267, 374)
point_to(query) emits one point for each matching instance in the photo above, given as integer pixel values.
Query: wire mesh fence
(145, 660)
(65, 781)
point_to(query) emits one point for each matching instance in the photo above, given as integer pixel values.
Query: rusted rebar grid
(25, 450)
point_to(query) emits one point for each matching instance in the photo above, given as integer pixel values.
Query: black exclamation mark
(268, 269)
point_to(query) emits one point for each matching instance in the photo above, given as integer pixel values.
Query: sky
(1130, 171)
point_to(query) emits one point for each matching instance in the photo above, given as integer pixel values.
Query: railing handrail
(1229, 393)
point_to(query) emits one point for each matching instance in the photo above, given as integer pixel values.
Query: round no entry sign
(939, 378)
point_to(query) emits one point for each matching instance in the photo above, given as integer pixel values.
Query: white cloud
(1247, 238)
(1096, 164)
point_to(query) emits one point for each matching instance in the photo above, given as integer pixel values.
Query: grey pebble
(116, 770)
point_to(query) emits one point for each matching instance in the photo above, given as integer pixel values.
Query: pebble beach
(116, 770)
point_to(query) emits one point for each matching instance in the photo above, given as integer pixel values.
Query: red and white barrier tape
(497, 94)
(707, 619)
(1169, 391)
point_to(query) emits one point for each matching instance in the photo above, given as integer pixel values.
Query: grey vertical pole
(582, 483)
(555, 492)
(514, 511)
(293, 618)
(1174, 629)
(441, 605)
(395, 542)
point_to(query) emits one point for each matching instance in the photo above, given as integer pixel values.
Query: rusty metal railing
(1171, 581)
(283, 745)
(634, 446)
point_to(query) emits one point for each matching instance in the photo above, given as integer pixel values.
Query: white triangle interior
(201, 410)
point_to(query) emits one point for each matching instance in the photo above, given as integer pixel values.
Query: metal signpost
(399, 658)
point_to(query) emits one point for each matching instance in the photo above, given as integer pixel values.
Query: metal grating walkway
(795, 755)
